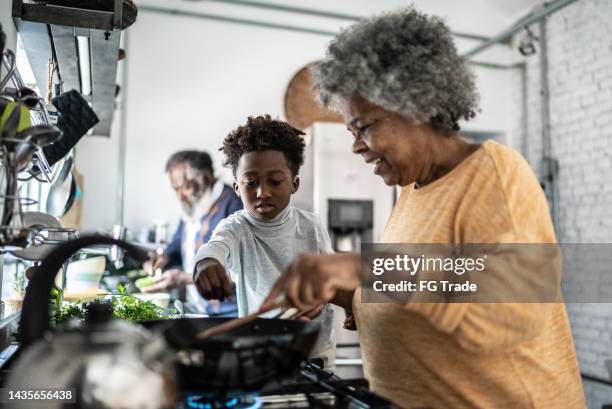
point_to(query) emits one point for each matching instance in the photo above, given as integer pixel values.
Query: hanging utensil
(14, 118)
(41, 135)
(39, 222)
(12, 65)
(33, 138)
(60, 193)
(2, 40)
(62, 196)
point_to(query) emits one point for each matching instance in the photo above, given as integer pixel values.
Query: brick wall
(580, 79)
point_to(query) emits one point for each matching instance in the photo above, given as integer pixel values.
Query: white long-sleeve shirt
(256, 252)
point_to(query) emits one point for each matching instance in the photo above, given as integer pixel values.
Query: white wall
(191, 81)
(7, 23)
(192, 95)
(580, 78)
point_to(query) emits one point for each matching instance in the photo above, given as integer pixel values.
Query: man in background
(205, 201)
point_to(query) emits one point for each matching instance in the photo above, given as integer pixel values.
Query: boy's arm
(213, 260)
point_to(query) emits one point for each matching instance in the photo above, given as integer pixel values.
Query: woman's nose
(358, 145)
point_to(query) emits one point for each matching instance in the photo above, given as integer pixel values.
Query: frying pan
(242, 360)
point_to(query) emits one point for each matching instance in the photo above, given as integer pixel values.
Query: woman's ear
(296, 184)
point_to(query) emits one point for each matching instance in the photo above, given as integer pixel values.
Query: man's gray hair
(405, 62)
(197, 160)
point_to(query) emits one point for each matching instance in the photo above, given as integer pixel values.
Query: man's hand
(156, 262)
(315, 278)
(212, 281)
(169, 279)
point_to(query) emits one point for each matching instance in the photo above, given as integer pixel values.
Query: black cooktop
(314, 388)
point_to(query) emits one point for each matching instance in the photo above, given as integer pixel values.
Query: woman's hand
(315, 278)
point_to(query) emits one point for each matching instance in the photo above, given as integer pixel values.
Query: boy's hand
(315, 278)
(212, 281)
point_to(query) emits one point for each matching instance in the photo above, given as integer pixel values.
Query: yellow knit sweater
(426, 355)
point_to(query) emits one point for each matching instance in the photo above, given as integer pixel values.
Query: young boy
(254, 246)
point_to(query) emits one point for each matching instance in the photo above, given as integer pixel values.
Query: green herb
(125, 306)
(62, 312)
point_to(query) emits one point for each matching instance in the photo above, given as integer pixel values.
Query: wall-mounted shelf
(83, 43)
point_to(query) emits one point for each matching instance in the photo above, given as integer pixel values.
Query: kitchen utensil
(244, 359)
(107, 364)
(68, 162)
(56, 170)
(14, 118)
(40, 135)
(40, 247)
(11, 68)
(72, 195)
(75, 119)
(236, 322)
(178, 304)
(2, 40)
(33, 138)
(290, 314)
(62, 195)
(294, 313)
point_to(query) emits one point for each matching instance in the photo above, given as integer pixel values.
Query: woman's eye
(364, 128)
(276, 182)
(250, 183)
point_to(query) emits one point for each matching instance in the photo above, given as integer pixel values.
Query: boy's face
(264, 183)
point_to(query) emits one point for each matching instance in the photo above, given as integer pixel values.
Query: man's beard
(189, 205)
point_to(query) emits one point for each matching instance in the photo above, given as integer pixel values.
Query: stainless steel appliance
(350, 223)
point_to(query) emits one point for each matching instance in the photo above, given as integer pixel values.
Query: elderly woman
(401, 88)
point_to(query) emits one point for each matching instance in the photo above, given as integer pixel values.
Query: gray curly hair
(405, 62)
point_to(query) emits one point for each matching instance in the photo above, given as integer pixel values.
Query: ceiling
(482, 17)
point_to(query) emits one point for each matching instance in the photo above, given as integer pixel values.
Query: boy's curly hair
(263, 133)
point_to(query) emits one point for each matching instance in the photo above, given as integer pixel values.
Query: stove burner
(316, 388)
(197, 401)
